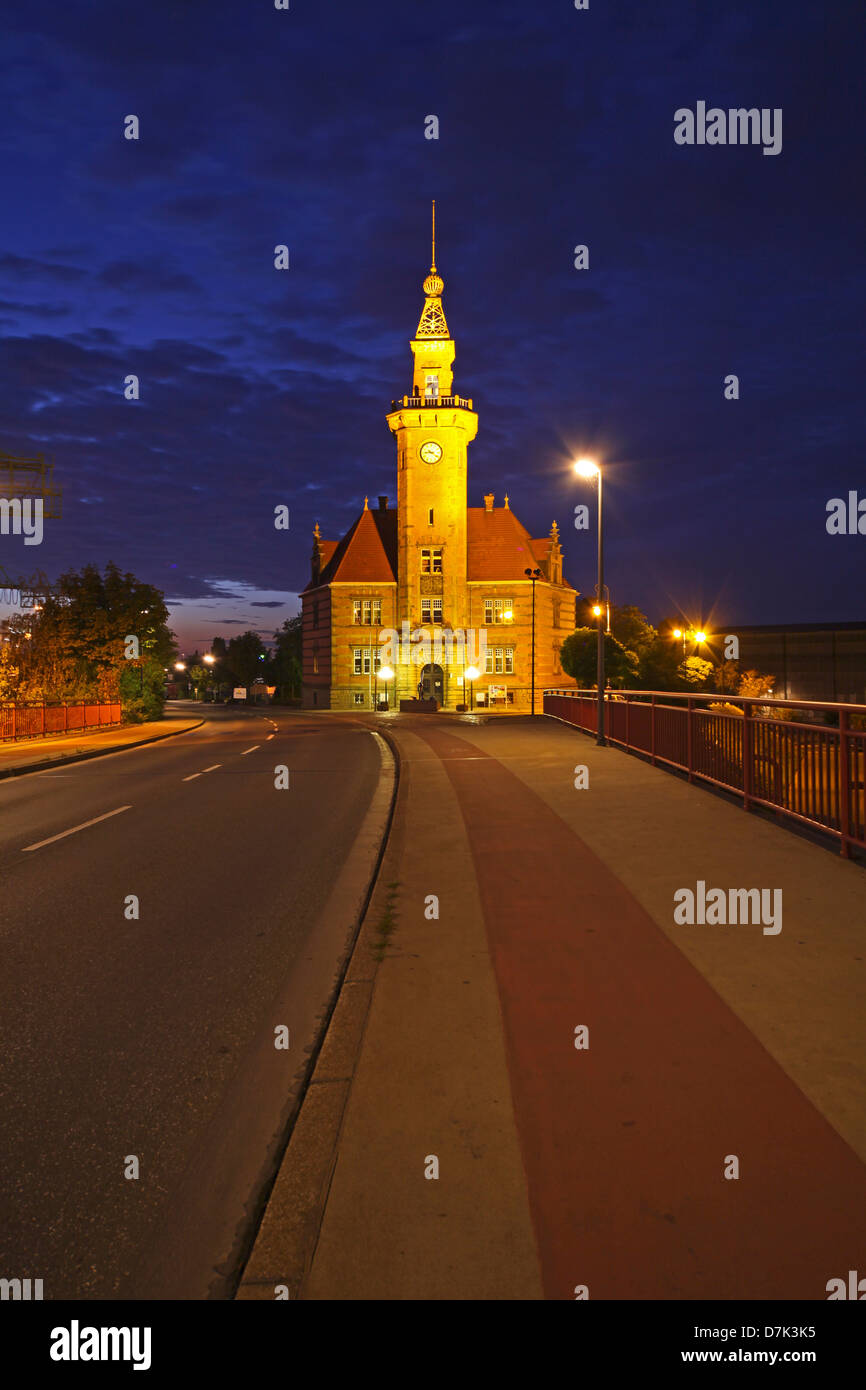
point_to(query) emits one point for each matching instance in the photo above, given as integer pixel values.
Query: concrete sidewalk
(607, 1167)
(34, 754)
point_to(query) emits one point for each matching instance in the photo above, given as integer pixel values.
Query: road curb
(285, 1240)
(93, 753)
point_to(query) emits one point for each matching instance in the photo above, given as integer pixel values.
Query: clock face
(431, 452)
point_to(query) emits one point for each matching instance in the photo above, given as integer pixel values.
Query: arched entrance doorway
(432, 684)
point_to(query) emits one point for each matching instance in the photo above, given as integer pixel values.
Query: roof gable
(498, 546)
(367, 553)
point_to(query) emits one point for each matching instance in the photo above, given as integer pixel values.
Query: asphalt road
(154, 1037)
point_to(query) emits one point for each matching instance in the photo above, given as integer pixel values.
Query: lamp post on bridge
(534, 575)
(585, 468)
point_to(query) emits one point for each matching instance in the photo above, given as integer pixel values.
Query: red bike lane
(625, 1143)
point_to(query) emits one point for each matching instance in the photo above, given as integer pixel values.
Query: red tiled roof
(366, 554)
(499, 546)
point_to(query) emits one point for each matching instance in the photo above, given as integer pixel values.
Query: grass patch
(387, 923)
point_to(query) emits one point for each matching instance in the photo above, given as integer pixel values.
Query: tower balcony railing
(462, 402)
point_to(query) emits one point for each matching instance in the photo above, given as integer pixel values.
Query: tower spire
(432, 322)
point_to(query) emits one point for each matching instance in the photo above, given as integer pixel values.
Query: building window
(431, 611)
(367, 611)
(364, 661)
(500, 661)
(431, 560)
(430, 516)
(315, 612)
(358, 697)
(431, 387)
(315, 661)
(498, 610)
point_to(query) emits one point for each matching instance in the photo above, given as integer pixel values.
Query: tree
(10, 673)
(753, 684)
(199, 677)
(245, 657)
(288, 656)
(578, 657)
(726, 677)
(79, 647)
(694, 672)
(633, 629)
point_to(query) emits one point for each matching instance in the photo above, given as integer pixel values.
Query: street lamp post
(471, 674)
(385, 674)
(534, 575)
(587, 469)
(210, 661)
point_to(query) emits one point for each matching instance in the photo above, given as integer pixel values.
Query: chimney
(383, 504)
(488, 501)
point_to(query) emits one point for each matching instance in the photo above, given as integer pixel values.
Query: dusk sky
(259, 387)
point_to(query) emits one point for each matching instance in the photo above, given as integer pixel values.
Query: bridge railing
(805, 760)
(38, 721)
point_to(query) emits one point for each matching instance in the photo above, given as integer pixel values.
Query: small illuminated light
(385, 673)
(208, 659)
(472, 673)
(596, 610)
(700, 637)
(507, 615)
(180, 665)
(586, 468)
(678, 632)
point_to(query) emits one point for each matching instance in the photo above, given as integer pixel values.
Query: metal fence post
(843, 782)
(690, 709)
(653, 729)
(746, 754)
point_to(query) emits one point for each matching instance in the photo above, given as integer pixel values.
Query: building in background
(810, 661)
(434, 566)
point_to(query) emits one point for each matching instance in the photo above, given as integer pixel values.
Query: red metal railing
(38, 721)
(814, 772)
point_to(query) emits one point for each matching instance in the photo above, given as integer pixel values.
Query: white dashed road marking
(250, 750)
(75, 828)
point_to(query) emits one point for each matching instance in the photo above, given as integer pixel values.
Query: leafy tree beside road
(578, 656)
(76, 645)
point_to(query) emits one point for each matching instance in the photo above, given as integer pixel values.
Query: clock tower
(433, 428)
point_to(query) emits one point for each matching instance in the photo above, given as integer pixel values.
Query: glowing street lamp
(180, 665)
(471, 674)
(386, 674)
(587, 468)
